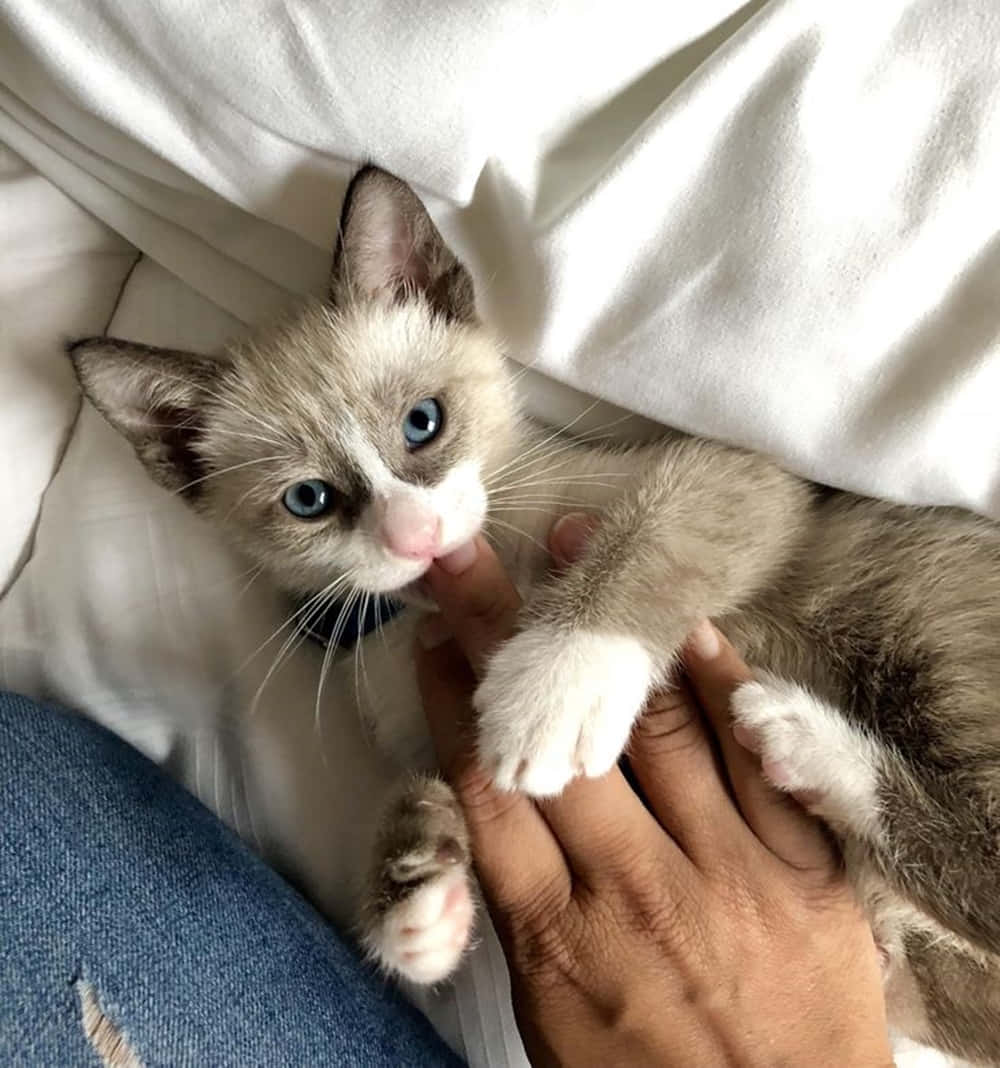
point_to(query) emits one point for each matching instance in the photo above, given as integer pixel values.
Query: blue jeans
(132, 920)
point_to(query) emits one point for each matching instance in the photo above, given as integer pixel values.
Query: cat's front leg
(558, 703)
(703, 528)
(417, 913)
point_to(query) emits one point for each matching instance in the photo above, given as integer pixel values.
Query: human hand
(711, 925)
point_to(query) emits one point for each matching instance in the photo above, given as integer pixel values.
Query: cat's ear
(155, 398)
(388, 249)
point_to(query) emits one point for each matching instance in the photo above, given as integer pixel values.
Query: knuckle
(644, 899)
(546, 941)
(670, 723)
(824, 887)
(482, 802)
(652, 910)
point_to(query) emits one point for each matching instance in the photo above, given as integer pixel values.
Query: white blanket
(774, 224)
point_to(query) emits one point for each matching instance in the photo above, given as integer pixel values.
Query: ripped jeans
(135, 929)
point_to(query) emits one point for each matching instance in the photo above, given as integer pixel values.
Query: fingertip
(712, 663)
(449, 574)
(569, 536)
(704, 642)
(478, 599)
(459, 560)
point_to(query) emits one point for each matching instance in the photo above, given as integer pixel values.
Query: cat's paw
(810, 749)
(418, 917)
(556, 704)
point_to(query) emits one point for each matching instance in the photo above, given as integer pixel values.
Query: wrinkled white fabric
(773, 223)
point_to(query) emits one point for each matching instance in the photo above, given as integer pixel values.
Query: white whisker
(338, 630)
(380, 623)
(226, 402)
(257, 572)
(569, 450)
(291, 645)
(232, 467)
(227, 433)
(541, 444)
(516, 530)
(556, 444)
(579, 480)
(359, 655)
(332, 588)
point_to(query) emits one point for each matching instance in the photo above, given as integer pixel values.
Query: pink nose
(409, 528)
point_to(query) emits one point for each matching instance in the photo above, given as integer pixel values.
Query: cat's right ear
(155, 398)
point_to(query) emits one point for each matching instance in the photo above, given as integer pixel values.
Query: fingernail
(460, 559)
(433, 631)
(571, 534)
(704, 641)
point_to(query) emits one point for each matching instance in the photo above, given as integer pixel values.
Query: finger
(715, 670)
(678, 770)
(520, 865)
(569, 536)
(478, 602)
(606, 832)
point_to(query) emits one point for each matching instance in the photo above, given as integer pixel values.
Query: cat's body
(877, 626)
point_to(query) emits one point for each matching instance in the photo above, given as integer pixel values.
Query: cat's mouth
(412, 590)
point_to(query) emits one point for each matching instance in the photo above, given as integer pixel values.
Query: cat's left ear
(389, 250)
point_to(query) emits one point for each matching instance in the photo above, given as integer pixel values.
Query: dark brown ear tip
(372, 176)
(366, 174)
(367, 171)
(76, 348)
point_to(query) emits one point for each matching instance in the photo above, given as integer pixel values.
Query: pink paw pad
(425, 935)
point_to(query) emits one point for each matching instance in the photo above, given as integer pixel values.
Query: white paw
(554, 705)
(809, 748)
(423, 937)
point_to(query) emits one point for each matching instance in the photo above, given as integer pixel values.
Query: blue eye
(422, 423)
(309, 499)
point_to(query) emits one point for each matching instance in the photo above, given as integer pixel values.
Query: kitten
(385, 432)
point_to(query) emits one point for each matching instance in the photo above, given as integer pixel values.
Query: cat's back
(894, 613)
(930, 573)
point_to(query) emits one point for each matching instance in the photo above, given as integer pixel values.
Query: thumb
(569, 536)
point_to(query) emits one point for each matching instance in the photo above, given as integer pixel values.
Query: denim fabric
(112, 875)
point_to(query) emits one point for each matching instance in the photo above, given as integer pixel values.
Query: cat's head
(355, 438)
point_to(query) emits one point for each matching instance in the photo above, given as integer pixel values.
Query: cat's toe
(556, 704)
(773, 719)
(422, 936)
(418, 914)
(809, 749)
